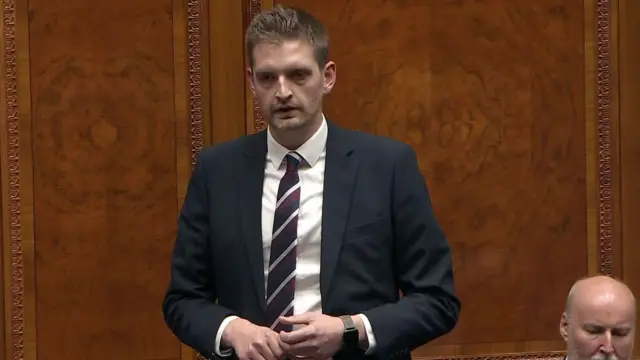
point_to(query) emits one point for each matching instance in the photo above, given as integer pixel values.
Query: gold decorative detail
(258, 120)
(603, 106)
(547, 355)
(195, 79)
(13, 171)
(195, 86)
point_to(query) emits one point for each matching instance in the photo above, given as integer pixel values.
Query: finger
(295, 319)
(251, 354)
(299, 357)
(294, 352)
(297, 336)
(305, 348)
(262, 350)
(264, 354)
(274, 344)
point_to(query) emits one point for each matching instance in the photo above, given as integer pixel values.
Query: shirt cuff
(370, 337)
(216, 348)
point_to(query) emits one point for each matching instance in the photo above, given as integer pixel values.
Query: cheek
(624, 346)
(311, 97)
(264, 99)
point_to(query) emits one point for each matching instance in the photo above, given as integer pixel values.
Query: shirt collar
(310, 150)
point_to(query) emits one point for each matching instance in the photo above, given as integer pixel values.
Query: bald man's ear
(564, 326)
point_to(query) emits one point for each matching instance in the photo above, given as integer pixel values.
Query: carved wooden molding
(195, 86)
(195, 79)
(258, 121)
(603, 118)
(549, 355)
(13, 190)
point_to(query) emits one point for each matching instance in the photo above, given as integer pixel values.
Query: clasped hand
(317, 337)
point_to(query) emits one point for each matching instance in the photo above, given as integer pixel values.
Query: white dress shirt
(311, 173)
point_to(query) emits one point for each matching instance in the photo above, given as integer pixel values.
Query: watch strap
(349, 324)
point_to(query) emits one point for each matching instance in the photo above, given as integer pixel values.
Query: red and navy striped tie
(281, 278)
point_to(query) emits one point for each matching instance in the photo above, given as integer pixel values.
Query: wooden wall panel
(629, 31)
(101, 117)
(227, 70)
(502, 102)
(104, 176)
(510, 106)
(491, 97)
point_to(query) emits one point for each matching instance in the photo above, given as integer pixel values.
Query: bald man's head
(599, 320)
(598, 285)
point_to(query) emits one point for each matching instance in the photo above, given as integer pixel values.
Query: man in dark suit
(295, 242)
(599, 320)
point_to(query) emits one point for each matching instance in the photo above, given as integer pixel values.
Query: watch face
(351, 337)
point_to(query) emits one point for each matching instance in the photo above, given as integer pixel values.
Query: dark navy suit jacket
(379, 237)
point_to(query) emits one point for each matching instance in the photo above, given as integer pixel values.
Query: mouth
(285, 109)
(285, 112)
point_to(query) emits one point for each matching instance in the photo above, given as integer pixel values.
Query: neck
(294, 138)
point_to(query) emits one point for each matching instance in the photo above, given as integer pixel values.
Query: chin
(293, 123)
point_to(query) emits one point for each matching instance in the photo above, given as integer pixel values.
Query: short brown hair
(282, 23)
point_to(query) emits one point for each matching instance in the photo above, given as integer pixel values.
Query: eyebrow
(601, 326)
(294, 67)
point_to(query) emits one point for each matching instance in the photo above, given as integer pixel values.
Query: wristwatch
(351, 336)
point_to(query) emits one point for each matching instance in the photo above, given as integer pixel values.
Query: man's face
(599, 328)
(288, 84)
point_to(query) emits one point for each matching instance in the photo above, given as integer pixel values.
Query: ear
(329, 74)
(564, 326)
(250, 80)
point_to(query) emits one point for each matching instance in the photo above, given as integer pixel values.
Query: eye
(298, 75)
(620, 332)
(594, 330)
(266, 77)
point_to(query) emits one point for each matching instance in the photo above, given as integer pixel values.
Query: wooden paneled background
(524, 115)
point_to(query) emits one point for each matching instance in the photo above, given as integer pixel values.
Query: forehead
(284, 55)
(605, 310)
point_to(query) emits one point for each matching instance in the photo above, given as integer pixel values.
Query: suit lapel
(339, 180)
(250, 199)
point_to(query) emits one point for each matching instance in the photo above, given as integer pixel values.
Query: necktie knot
(293, 161)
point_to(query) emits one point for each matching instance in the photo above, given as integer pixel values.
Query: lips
(285, 109)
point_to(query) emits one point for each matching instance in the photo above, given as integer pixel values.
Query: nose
(283, 92)
(607, 346)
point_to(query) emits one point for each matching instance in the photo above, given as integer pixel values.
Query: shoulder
(377, 146)
(229, 151)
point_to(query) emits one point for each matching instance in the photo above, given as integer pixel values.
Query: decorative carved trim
(13, 189)
(549, 355)
(258, 121)
(603, 103)
(195, 87)
(195, 79)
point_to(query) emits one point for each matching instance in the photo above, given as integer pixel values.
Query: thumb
(296, 319)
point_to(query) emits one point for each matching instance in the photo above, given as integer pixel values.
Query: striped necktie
(281, 278)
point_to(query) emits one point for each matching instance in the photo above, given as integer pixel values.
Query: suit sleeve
(429, 307)
(189, 306)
